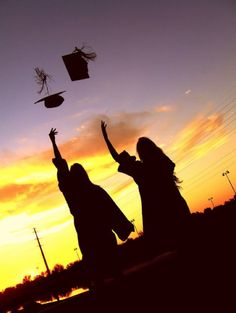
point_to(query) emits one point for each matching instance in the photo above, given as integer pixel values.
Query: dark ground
(199, 276)
(170, 282)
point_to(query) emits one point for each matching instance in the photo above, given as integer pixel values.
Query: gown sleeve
(130, 166)
(115, 217)
(62, 173)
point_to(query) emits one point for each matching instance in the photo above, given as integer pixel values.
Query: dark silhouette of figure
(96, 216)
(164, 210)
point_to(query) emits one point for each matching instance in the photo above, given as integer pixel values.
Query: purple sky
(148, 52)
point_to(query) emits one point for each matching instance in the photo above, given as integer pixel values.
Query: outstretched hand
(112, 150)
(52, 134)
(103, 127)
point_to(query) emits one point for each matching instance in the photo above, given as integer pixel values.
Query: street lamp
(76, 251)
(211, 199)
(132, 221)
(226, 174)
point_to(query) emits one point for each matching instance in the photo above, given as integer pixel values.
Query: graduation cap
(50, 101)
(76, 63)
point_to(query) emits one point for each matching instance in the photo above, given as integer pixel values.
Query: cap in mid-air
(76, 63)
(53, 100)
(50, 101)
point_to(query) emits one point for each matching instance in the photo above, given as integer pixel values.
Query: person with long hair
(164, 210)
(96, 218)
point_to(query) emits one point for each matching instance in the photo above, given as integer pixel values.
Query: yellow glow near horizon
(31, 198)
(51, 222)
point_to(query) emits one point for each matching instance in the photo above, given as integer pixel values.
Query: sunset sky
(164, 69)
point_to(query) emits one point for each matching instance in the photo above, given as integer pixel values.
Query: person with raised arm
(96, 218)
(164, 211)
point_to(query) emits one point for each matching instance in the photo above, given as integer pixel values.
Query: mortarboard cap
(52, 101)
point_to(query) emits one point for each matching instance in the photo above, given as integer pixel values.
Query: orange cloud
(123, 129)
(163, 108)
(199, 136)
(9, 192)
(21, 196)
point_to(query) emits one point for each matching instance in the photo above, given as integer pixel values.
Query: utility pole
(41, 249)
(226, 174)
(211, 199)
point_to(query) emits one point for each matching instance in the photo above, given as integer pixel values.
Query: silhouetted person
(95, 217)
(164, 210)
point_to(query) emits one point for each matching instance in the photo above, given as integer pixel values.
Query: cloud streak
(31, 184)
(123, 128)
(163, 108)
(200, 135)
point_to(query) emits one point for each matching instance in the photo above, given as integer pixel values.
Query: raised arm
(112, 150)
(52, 134)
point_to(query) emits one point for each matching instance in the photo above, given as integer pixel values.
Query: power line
(205, 179)
(207, 135)
(194, 159)
(212, 166)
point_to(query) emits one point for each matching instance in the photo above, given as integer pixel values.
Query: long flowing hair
(79, 175)
(147, 150)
